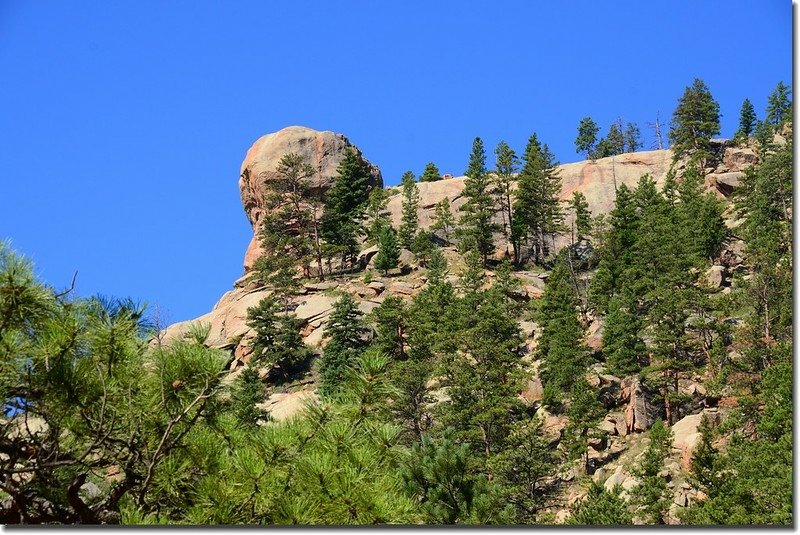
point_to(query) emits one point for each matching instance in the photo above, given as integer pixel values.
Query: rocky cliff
(596, 179)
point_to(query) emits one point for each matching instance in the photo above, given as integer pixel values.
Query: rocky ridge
(631, 408)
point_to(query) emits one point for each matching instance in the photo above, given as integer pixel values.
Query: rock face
(323, 150)
(596, 179)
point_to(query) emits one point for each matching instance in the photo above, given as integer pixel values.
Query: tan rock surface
(323, 150)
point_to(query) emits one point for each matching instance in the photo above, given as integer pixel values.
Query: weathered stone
(314, 306)
(320, 286)
(401, 288)
(282, 406)
(322, 150)
(642, 409)
(715, 276)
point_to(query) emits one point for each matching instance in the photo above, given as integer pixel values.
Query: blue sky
(124, 123)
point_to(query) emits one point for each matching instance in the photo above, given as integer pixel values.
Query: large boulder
(323, 150)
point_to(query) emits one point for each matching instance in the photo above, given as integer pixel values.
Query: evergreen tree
(587, 136)
(443, 219)
(430, 174)
(422, 247)
(583, 217)
(651, 494)
(623, 347)
(779, 105)
(449, 492)
(345, 203)
(477, 219)
(747, 121)
(632, 138)
(536, 206)
(601, 508)
(506, 166)
(584, 413)
(277, 343)
(248, 391)
(376, 213)
(290, 232)
(561, 342)
(390, 328)
(483, 377)
(615, 139)
(409, 220)
(523, 468)
(347, 342)
(694, 121)
(388, 251)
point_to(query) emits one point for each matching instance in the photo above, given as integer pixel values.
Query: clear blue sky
(124, 123)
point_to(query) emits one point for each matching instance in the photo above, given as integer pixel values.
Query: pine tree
(390, 328)
(694, 121)
(277, 343)
(536, 205)
(376, 214)
(248, 390)
(388, 251)
(477, 219)
(747, 121)
(583, 217)
(601, 508)
(443, 219)
(483, 377)
(584, 413)
(651, 494)
(422, 247)
(506, 165)
(624, 350)
(587, 136)
(347, 342)
(430, 174)
(779, 105)
(615, 139)
(561, 342)
(346, 202)
(522, 469)
(632, 138)
(290, 232)
(409, 220)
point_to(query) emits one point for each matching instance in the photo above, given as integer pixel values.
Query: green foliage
(388, 251)
(443, 219)
(277, 344)
(587, 136)
(438, 474)
(779, 105)
(82, 392)
(694, 122)
(632, 138)
(430, 174)
(477, 219)
(422, 247)
(536, 205)
(290, 231)
(347, 342)
(248, 390)
(376, 213)
(583, 217)
(561, 348)
(483, 377)
(747, 121)
(601, 508)
(522, 470)
(506, 164)
(584, 413)
(651, 493)
(409, 219)
(623, 347)
(390, 327)
(346, 202)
